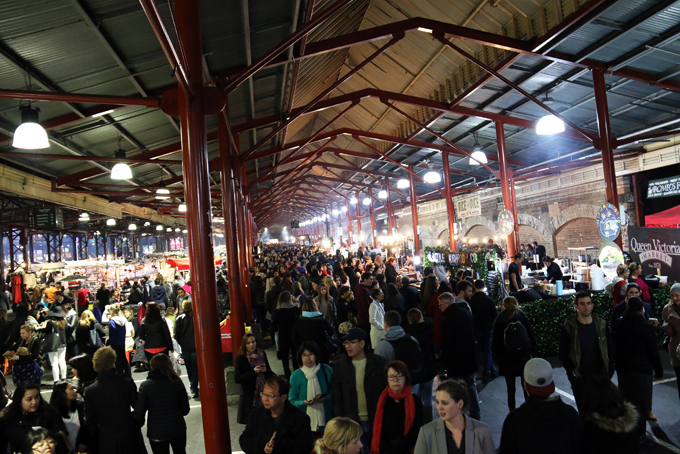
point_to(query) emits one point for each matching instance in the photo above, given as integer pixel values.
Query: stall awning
(666, 219)
(183, 264)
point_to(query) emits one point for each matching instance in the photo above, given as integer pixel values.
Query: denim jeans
(424, 391)
(484, 344)
(366, 437)
(473, 406)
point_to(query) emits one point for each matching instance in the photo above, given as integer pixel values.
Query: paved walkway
(665, 432)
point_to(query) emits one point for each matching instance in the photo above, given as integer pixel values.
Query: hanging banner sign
(506, 222)
(468, 206)
(665, 187)
(656, 250)
(608, 222)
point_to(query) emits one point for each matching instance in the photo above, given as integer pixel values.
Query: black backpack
(407, 349)
(516, 339)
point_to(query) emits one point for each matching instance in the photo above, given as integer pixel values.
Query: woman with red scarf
(399, 415)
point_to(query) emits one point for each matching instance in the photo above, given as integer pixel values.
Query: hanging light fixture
(184, 231)
(335, 212)
(366, 201)
(431, 176)
(549, 125)
(162, 192)
(177, 229)
(353, 200)
(121, 171)
(382, 194)
(344, 209)
(110, 221)
(84, 217)
(169, 229)
(403, 183)
(182, 206)
(477, 157)
(159, 228)
(147, 223)
(132, 226)
(30, 135)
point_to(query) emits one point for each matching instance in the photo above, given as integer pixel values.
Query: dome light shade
(432, 177)
(403, 183)
(159, 228)
(162, 192)
(366, 201)
(477, 158)
(344, 209)
(177, 229)
(184, 231)
(121, 171)
(335, 212)
(382, 194)
(132, 227)
(182, 207)
(110, 221)
(30, 135)
(84, 217)
(169, 229)
(549, 125)
(353, 200)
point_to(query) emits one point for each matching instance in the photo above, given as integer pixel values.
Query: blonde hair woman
(89, 334)
(324, 301)
(341, 436)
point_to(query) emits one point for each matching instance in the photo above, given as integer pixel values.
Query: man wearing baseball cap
(543, 423)
(358, 381)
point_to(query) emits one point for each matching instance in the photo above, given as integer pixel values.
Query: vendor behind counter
(554, 272)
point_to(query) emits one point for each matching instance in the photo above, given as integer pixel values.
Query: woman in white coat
(376, 316)
(466, 434)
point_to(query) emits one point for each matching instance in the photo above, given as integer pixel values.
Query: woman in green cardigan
(310, 386)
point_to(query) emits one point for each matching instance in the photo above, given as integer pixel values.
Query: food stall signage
(608, 222)
(665, 187)
(468, 206)
(46, 218)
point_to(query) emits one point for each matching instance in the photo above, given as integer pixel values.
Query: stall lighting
(110, 221)
(30, 135)
(121, 171)
(549, 125)
(162, 192)
(382, 194)
(403, 183)
(132, 226)
(159, 228)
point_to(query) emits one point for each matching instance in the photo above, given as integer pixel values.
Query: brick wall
(479, 232)
(577, 233)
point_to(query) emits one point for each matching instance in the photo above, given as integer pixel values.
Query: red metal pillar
(515, 210)
(199, 238)
(414, 212)
(374, 232)
(243, 245)
(358, 223)
(237, 318)
(349, 225)
(505, 183)
(606, 142)
(449, 200)
(390, 211)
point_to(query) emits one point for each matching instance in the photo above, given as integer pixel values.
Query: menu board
(46, 218)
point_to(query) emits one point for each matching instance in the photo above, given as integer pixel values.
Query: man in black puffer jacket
(184, 334)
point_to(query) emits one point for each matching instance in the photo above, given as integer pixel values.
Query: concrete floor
(665, 432)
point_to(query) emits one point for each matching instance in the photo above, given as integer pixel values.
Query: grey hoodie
(384, 348)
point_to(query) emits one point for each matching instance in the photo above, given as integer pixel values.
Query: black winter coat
(83, 337)
(313, 329)
(55, 337)
(13, 431)
(283, 321)
(614, 432)
(184, 333)
(108, 399)
(510, 365)
(483, 310)
(272, 297)
(459, 354)
(344, 393)
(411, 295)
(167, 403)
(635, 346)
(423, 333)
(245, 376)
(293, 433)
(155, 334)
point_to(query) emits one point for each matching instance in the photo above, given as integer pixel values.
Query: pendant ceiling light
(147, 223)
(184, 231)
(177, 229)
(403, 183)
(335, 212)
(132, 226)
(30, 135)
(162, 192)
(431, 176)
(121, 171)
(353, 200)
(478, 157)
(344, 209)
(549, 125)
(159, 227)
(84, 217)
(382, 194)
(366, 201)
(182, 207)
(110, 221)
(169, 229)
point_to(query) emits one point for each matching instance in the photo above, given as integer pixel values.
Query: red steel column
(358, 223)
(199, 237)
(237, 318)
(505, 183)
(449, 200)
(243, 244)
(349, 225)
(606, 141)
(515, 210)
(388, 205)
(414, 212)
(374, 233)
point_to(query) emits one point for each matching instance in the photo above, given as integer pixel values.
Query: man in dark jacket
(352, 401)
(158, 295)
(277, 426)
(184, 334)
(459, 356)
(484, 313)
(410, 294)
(107, 399)
(542, 423)
(362, 296)
(272, 296)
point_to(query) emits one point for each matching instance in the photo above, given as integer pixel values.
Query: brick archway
(471, 222)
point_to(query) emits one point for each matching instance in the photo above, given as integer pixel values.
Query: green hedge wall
(547, 317)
